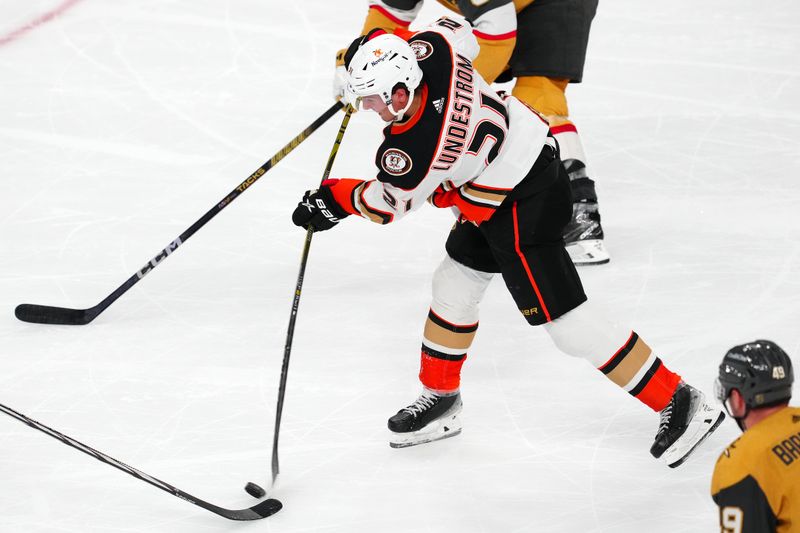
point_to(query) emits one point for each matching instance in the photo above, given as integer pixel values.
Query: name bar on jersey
(457, 123)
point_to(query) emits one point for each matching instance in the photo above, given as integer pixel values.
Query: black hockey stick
(252, 488)
(45, 314)
(260, 510)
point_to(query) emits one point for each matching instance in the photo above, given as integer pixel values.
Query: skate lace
(666, 416)
(422, 403)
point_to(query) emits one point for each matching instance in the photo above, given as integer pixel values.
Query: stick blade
(260, 510)
(45, 314)
(268, 507)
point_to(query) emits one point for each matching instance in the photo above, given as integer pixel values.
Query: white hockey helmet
(378, 66)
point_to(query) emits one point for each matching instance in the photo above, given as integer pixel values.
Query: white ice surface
(122, 122)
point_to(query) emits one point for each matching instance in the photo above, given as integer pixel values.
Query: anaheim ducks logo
(395, 162)
(422, 49)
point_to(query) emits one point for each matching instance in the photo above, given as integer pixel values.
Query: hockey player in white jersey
(542, 45)
(452, 141)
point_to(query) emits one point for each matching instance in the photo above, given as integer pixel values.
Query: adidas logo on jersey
(439, 105)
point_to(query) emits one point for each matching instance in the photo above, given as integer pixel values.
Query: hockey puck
(254, 490)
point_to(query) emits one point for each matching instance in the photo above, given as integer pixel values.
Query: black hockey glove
(318, 210)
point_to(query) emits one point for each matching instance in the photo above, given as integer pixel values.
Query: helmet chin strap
(399, 114)
(740, 419)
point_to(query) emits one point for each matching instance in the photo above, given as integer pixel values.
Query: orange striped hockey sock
(439, 372)
(444, 350)
(636, 369)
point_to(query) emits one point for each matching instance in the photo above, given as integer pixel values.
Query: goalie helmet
(376, 68)
(760, 370)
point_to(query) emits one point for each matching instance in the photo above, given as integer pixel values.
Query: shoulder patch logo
(439, 105)
(396, 162)
(422, 49)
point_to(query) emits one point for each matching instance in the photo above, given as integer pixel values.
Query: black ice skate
(432, 417)
(583, 235)
(685, 424)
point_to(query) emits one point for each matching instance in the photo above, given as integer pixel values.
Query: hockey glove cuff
(319, 210)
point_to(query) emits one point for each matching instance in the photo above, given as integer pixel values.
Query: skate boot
(583, 236)
(685, 424)
(432, 417)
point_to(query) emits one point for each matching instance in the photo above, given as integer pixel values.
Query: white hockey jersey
(465, 147)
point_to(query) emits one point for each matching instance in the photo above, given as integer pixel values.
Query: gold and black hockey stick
(45, 314)
(251, 487)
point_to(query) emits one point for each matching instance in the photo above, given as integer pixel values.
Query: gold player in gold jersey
(756, 481)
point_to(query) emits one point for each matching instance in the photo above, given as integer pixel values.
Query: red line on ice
(38, 21)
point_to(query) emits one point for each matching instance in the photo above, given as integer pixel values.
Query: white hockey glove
(340, 75)
(339, 82)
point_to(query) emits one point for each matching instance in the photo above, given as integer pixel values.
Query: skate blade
(701, 426)
(588, 252)
(450, 427)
